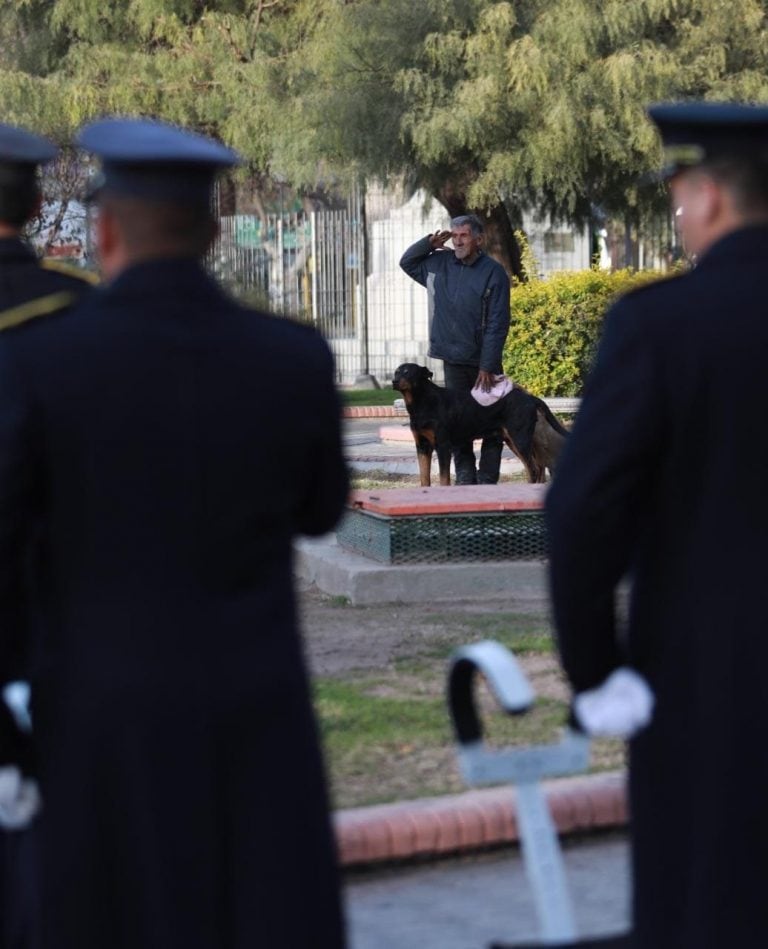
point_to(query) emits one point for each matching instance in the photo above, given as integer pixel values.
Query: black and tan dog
(442, 418)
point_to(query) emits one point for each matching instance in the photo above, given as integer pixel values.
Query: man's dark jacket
(172, 444)
(664, 476)
(468, 305)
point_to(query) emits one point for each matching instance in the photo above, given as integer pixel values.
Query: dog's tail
(550, 417)
(548, 438)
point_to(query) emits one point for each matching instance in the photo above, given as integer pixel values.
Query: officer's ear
(111, 246)
(106, 230)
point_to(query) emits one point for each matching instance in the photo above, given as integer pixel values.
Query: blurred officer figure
(664, 477)
(23, 277)
(153, 437)
(468, 295)
(29, 289)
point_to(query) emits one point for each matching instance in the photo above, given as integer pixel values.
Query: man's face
(465, 244)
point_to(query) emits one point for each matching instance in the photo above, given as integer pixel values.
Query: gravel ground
(340, 638)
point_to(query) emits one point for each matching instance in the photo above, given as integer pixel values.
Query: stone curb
(473, 820)
(373, 411)
(389, 411)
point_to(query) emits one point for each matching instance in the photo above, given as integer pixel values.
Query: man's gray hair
(478, 228)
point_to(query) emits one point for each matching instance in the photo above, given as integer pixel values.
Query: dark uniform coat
(23, 278)
(28, 290)
(173, 444)
(665, 475)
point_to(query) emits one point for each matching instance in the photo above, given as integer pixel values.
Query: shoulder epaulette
(48, 263)
(42, 306)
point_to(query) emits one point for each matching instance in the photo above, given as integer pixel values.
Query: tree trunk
(500, 240)
(227, 196)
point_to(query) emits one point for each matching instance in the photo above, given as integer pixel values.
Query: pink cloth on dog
(501, 387)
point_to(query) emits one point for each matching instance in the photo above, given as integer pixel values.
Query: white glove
(16, 696)
(618, 708)
(19, 799)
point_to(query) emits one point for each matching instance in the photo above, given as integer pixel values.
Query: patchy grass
(522, 633)
(386, 730)
(340, 600)
(382, 480)
(353, 397)
(376, 480)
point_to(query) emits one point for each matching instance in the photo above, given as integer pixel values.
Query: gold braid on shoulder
(71, 270)
(42, 306)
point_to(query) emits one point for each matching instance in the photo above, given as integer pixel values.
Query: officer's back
(29, 290)
(168, 444)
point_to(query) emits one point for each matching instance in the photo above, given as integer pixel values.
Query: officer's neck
(8, 230)
(722, 228)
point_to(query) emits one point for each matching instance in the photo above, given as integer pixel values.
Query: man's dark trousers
(461, 379)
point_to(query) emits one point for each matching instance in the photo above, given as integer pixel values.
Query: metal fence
(308, 266)
(340, 270)
(331, 267)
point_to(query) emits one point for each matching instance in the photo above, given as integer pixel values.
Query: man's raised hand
(438, 239)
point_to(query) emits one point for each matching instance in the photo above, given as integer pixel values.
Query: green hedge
(556, 325)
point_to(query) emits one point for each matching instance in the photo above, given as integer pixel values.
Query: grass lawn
(352, 397)
(387, 733)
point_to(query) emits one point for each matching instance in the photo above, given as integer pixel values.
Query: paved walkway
(386, 444)
(468, 902)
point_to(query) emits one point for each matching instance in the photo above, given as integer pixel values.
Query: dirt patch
(340, 638)
(394, 659)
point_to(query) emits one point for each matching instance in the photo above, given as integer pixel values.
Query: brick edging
(475, 819)
(373, 411)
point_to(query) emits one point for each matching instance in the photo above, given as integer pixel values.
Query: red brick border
(433, 827)
(373, 411)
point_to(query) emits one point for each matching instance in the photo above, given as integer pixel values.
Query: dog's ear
(426, 373)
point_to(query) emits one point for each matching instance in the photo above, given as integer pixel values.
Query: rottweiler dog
(442, 418)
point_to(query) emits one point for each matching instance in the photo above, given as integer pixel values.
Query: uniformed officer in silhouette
(30, 289)
(664, 478)
(23, 276)
(171, 444)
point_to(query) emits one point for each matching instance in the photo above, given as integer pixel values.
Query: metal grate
(445, 538)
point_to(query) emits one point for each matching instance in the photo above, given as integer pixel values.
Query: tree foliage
(494, 106)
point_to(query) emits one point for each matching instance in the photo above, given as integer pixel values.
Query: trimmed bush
(556, 325)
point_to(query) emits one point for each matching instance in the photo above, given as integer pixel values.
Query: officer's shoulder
(659, 285)
(33, 310)
(69, 270)
(302, 339)
(288, 324)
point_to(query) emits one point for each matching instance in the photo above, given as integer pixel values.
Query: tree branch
(263, 5)
(226, 30)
